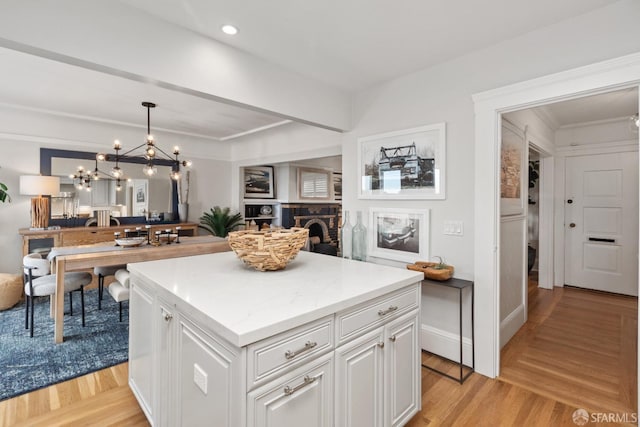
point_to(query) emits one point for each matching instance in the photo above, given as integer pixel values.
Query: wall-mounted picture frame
(512, 170)
(399, 234)
(139, 197)
(259, 182)
(337, 185)
(405, 164)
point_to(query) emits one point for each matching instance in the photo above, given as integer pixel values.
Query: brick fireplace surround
(322, 220)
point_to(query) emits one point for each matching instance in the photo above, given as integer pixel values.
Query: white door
(601, 222)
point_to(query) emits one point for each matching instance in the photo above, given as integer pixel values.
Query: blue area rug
(27, 364)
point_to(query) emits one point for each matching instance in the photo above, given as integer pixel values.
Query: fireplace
(322, 220)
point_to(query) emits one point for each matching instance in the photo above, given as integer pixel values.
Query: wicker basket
(268, 250)
(432, 273)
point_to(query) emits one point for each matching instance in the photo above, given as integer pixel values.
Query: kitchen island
(324, 342)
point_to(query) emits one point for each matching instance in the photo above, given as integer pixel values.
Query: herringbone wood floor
(589, 324)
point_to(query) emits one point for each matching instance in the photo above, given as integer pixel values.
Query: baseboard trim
(445, 344)
(511, 324)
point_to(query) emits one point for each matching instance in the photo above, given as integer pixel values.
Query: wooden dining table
(77, 258)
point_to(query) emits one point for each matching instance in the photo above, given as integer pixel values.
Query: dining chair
(119, 289)
(39, 282)
(102, 272)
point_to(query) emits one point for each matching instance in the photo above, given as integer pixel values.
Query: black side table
(458, 284)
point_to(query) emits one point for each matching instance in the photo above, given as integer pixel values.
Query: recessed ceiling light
(229, 29)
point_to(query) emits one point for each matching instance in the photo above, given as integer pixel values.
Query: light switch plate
(200, 378)
(453, 228)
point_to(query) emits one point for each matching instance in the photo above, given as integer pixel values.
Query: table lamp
(38, 185)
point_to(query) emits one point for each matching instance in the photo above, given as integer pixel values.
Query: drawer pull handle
(381, 344)
(288, 391)
(168, 317)
(388, 310)
(307, 346)
(392, 338)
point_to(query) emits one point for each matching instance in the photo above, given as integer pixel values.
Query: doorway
(623, 72)
(568, 331)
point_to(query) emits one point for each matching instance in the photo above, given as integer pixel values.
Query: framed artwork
(141, 194)
(399, 234)
(337, 185)
(512, 173)
(406, 164)
(259, 182)
(140, 197)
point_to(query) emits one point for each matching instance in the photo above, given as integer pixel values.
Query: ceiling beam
(112, 38)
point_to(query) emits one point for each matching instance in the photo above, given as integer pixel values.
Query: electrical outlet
(200, 378)
(453, 228)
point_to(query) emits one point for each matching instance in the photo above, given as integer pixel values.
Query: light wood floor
(579, 347)
(103, 398)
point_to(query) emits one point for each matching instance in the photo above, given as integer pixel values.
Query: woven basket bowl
(268, 250)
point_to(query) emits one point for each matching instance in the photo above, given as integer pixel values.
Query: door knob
(570, 201)
(572, 225)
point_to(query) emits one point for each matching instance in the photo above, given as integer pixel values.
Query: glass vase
(359, 242)
(346, 235)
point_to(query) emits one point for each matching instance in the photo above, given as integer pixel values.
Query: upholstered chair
(119, 289)
(38, 282)
(103, 272)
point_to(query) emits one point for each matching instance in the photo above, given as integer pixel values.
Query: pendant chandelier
(83, 177)
(151, 153)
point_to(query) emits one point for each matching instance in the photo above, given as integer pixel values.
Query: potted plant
(219, 221)
(4, 195)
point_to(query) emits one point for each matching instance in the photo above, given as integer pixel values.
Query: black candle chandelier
(151, 153)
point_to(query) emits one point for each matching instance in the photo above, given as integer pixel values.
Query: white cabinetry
(205, 380)
(141, 350)
(179, 372)
(356, 363)
(378, 374)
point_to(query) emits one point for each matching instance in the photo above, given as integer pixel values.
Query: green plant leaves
(4, 196)
(219, 221)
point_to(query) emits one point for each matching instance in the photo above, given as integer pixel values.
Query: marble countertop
(245, 305)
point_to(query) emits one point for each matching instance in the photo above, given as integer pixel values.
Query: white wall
(603, 132)
(443, 94)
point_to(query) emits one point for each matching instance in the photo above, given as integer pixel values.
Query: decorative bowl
(433, 270)
(268, 250)
(130, 241)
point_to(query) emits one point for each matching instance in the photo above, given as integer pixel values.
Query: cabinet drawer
(303, 397)
(371, 314)
(269, 357)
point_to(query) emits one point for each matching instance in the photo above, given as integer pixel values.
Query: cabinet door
(360, 381)
(164, 318)
(208, 383)
(303, 397)
(141, 366)
(402, 354)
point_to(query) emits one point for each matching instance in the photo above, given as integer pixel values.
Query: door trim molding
(489, 106)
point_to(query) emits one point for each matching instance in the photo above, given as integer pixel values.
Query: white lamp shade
(38, 185)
